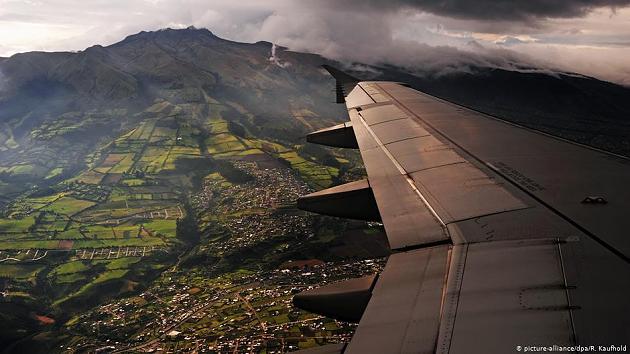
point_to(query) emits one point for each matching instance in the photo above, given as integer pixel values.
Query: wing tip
(339, 75)
(344, 82)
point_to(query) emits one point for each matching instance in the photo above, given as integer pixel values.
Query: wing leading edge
(493, 246)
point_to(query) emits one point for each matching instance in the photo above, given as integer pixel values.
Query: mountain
(147, 188)
(101, 90)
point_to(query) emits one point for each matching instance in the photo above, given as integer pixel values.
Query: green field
(317, 174)
(161, 227)
(69, 206)
(16, 225)
(19, 271)
(70, 267)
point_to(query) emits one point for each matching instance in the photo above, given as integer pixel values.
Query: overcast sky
(591, 37)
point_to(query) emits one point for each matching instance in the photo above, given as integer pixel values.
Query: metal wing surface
(502, 236)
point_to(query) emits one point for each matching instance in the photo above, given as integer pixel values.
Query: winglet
(340, 76)
(344, 82)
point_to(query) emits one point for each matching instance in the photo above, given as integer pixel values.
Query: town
(245, 309)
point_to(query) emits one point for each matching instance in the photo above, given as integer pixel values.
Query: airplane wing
(503, 238)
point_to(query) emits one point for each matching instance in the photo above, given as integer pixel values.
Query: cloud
(606, 63)
(275, 60)
(431, 44)
(345, 36)
(503, 10)
(429, 36)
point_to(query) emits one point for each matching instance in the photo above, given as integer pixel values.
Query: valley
(173, 218)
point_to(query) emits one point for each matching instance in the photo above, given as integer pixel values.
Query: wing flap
(404, 311)
(407, 220)
(513, 291)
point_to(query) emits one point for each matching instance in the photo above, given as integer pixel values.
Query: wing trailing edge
(353, 200)
(345, 300)
(341, 136)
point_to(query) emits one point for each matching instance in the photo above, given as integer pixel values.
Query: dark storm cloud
(500, 10)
